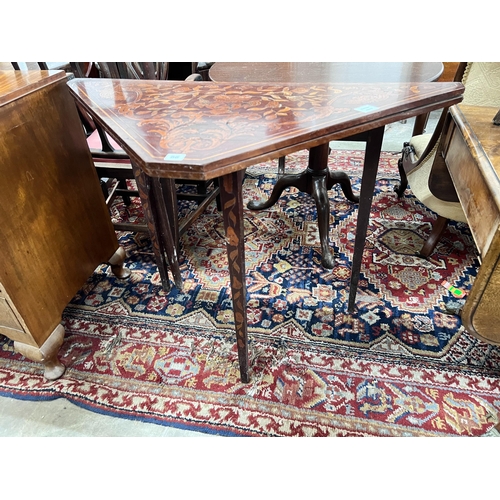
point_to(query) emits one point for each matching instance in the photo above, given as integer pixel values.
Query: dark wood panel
(54, 225)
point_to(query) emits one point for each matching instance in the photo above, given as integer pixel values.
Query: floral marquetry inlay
(210, 126)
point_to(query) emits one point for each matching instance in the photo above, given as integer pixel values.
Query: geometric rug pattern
(400, 365)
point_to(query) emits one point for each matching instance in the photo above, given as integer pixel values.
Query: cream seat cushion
(419, 183)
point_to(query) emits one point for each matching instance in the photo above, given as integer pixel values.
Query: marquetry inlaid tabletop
(203, 129)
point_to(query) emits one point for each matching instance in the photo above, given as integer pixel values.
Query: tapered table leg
(170, 199)
(144, 186)
(370, 168)
(232, 205)
(165, 204)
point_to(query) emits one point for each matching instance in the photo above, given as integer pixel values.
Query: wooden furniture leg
(403, 184)
(281, 166)
(117, 261)
(164, 214)
(144, 182)
(169, 192)
(437, 230)
(232, 206)
(370, 168)
(420, 124)
(320, 195)
(46, 354)
(315, 180)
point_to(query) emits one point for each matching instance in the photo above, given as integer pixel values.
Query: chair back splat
(113, 165)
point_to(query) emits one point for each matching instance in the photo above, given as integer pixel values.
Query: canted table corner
(205, 130)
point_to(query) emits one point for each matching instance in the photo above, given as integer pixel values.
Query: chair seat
(94, 142)
(419, 143)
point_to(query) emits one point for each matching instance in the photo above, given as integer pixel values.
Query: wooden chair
(111, 162)
(202, 68)
(421, 164)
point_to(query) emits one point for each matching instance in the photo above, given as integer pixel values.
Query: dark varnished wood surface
(326, 72)
(223, 127)
(54, 225)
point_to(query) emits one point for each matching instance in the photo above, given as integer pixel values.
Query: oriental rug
(400, 365)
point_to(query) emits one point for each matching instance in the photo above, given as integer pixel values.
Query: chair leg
(122, 184)
(437, 230)
(217, 199)
(201, 187)
(104, 188)
(401, 187)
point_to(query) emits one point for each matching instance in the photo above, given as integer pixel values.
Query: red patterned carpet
(401, 365)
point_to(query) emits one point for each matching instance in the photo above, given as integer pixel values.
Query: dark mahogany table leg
(320, 195)
(232, 205)
(370, 168)
(281, 165)
(165, 207)
(322, 179)
(315, 180)
(144, 187)
(170, 198)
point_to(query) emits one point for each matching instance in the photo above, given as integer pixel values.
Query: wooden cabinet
(472, 154)
(55, 228)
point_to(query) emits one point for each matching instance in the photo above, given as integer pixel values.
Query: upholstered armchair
(421, 158)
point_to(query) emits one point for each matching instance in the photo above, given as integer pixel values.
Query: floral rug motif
(400, 365)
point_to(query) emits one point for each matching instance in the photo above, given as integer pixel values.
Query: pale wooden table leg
(46, 354)
(117, 264)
